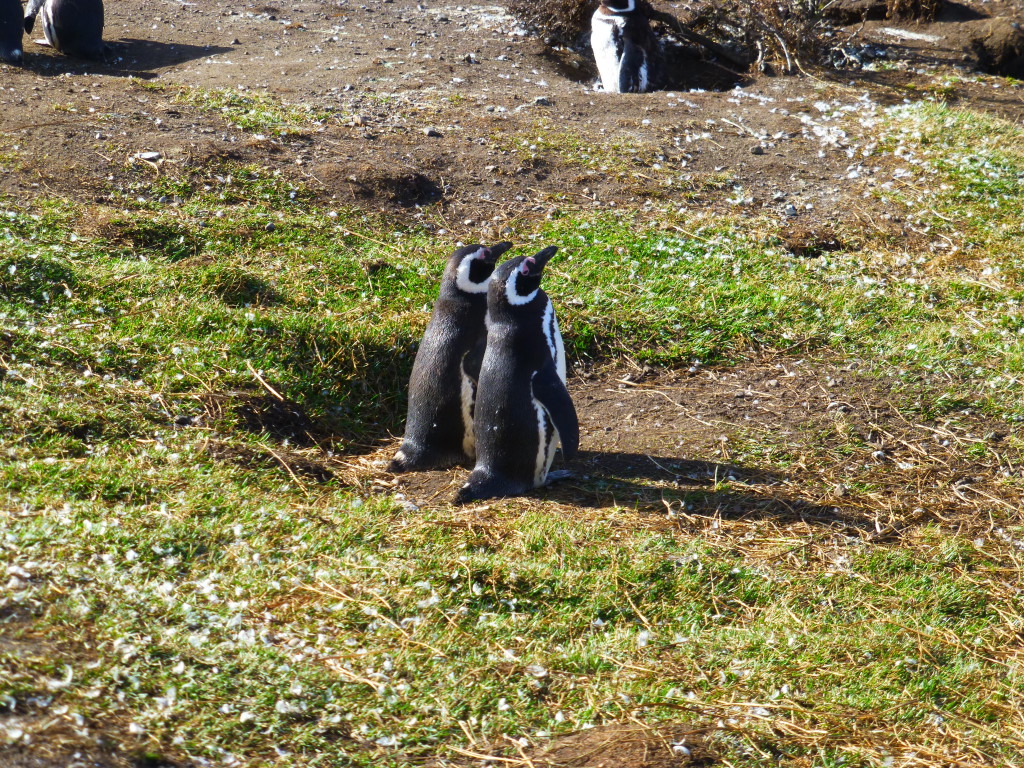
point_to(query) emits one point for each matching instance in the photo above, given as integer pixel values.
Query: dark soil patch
(400, 187)
(300, 467)
(810, 242)
(998, 45)
(280, 419)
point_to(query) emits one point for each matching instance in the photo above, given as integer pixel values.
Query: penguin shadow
(660, 484)
(129, 57)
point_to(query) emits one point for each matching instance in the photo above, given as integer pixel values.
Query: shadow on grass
(662, 484)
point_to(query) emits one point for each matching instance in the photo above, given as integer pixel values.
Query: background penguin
(10, 31)
(626, 49)
(73, 27)
(523, 409)
(439, 427)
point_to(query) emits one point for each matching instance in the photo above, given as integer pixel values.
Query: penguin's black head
(521, 277)
(620, 6)
(474, 265)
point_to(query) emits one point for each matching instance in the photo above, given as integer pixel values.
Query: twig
(262, 381)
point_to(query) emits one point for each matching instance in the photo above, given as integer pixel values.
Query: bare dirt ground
(427, 95)
(470, 76)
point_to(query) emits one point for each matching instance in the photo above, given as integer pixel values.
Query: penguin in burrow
(523, 409)
(11, 31)
(627, 51)
(73, 27)
(442, 388)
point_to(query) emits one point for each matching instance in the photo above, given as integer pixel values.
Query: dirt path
(393, 72)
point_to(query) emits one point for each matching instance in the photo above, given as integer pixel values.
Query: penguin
(10, 31)
(442, 388)
(523, 409)
(73, 27)
(627, 51)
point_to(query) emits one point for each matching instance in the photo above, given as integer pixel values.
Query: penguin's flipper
(31, 11)
(632, 69)
(550, 391)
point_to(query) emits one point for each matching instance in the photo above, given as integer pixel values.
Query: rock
(998, 45)
(757, 149)
(149, 157)
(542, 101)
(270, 227)
(790, 209)
(432, 133)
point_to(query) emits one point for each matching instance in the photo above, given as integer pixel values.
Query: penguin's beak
(492, 254)
(544, 256)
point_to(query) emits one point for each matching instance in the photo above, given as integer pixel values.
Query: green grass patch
(219, 603)
(256, 111)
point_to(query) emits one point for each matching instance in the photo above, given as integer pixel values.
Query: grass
(256, 111)
(191, 574)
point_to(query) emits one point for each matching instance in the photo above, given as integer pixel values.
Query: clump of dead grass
(564, 22)
(913, 10)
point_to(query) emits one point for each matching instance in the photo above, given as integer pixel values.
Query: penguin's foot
(559, 474)
(407, 460)
(481, 487)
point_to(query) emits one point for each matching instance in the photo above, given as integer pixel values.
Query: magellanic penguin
(439, 426)
(73, 27)
(628, 52)
(523, 409)
(10, 31)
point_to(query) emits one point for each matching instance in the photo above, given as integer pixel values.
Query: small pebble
(432, 132)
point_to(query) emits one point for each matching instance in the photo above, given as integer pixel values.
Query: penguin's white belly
(47, 23)
(547, 442)
(468, 398)
(602, 40)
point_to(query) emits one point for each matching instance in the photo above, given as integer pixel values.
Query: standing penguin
(73, 27)
(442, 389)
(523, 409)
(627, 51)
(10, 31)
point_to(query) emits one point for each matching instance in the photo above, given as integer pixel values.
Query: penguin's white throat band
(463, 280)
(515, 298)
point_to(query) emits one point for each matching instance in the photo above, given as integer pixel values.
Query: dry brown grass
(913, 10)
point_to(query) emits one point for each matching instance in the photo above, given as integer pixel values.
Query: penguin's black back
(506, 420)
(453, 344)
